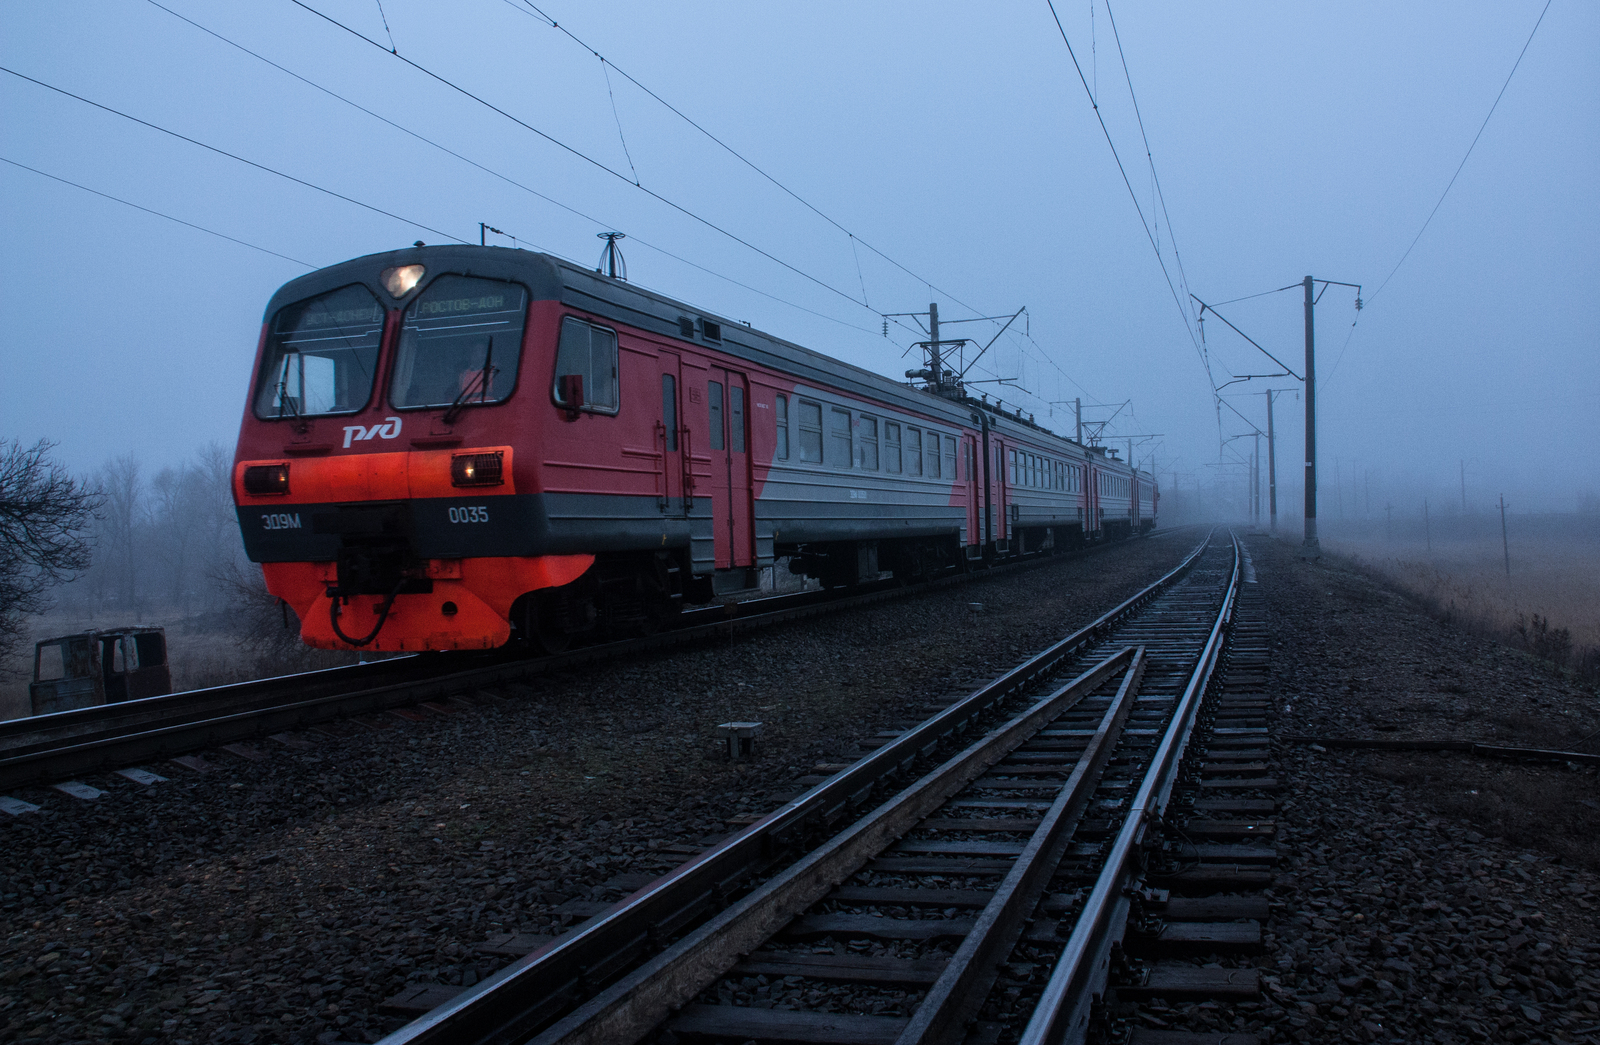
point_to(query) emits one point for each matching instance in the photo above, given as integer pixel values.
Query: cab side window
(588, 353)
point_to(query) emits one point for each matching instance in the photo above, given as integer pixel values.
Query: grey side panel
(798, 505)
(519, 524)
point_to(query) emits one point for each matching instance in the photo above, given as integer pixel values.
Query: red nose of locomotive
(377, 478)
(372, 550)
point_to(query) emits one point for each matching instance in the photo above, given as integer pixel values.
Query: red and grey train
(456, 447)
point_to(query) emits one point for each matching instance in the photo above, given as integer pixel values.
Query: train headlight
(477, 469)
(265, 480)
(399, 281)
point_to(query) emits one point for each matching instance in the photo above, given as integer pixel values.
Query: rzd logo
(388, 430)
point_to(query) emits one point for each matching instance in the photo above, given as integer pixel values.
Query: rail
(64, 744)
(562, 981)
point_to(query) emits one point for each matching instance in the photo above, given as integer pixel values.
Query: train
(462, 447)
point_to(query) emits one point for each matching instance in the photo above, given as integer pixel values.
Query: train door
(969, 461)
(1091, 500)
(999, 493)
(727, 404)
(1133, 506)
(672, 440)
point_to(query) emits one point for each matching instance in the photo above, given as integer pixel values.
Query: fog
(897, 154)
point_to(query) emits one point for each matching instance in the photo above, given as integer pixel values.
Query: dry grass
(1549, 605)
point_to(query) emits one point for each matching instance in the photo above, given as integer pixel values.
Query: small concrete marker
(141, 776)
(194, 762)
(79, 790)
(244, 752)
(16, 806)
(742, 738)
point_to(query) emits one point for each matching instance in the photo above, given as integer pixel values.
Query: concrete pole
(1272, 468)
(1311, 547)
(933, 349)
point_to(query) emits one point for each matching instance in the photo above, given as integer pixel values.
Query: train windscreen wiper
(479, 383)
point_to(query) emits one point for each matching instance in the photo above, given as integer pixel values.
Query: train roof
(549, 278)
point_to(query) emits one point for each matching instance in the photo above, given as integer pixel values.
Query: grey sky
(955, 138)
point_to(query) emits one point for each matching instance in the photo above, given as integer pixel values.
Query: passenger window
(913, 451)
(891, 447)
(933, 455)
(669, 410)
(867, 445)
(50, 665)
(810, 431)
(321, 355)
(780, 415)
(459, 343)
(966, 460)
(736, 416)
(839, 438)
(1011, 468)
(590, 353)
(950, 457)
(715, 409)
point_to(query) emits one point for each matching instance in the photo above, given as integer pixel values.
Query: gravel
(283, 899)
(1421, 898)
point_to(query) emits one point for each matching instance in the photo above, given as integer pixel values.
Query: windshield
(459, 343)
(321, 355)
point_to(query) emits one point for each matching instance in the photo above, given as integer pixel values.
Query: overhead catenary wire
(527, 7)
(497, 174)
(233, 156)
(1155, 180)
(585, 157)
(157, 213)
(617, 174)
(532, 10)
(1328, 376)
(1459, 167)
(1134, 196)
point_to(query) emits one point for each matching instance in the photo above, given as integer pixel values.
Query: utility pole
(1427, 532)
(1311, 548)
(933, 347)
(1255, 484)
(1078, 404)
(1505, 542)
(1272, 468)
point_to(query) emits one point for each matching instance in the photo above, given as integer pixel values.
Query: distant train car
(454, 447)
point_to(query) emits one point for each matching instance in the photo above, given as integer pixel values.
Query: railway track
(997, 847)
(56, 747)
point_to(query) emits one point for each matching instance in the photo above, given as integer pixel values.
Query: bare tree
(45, 515)
(119, 533)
